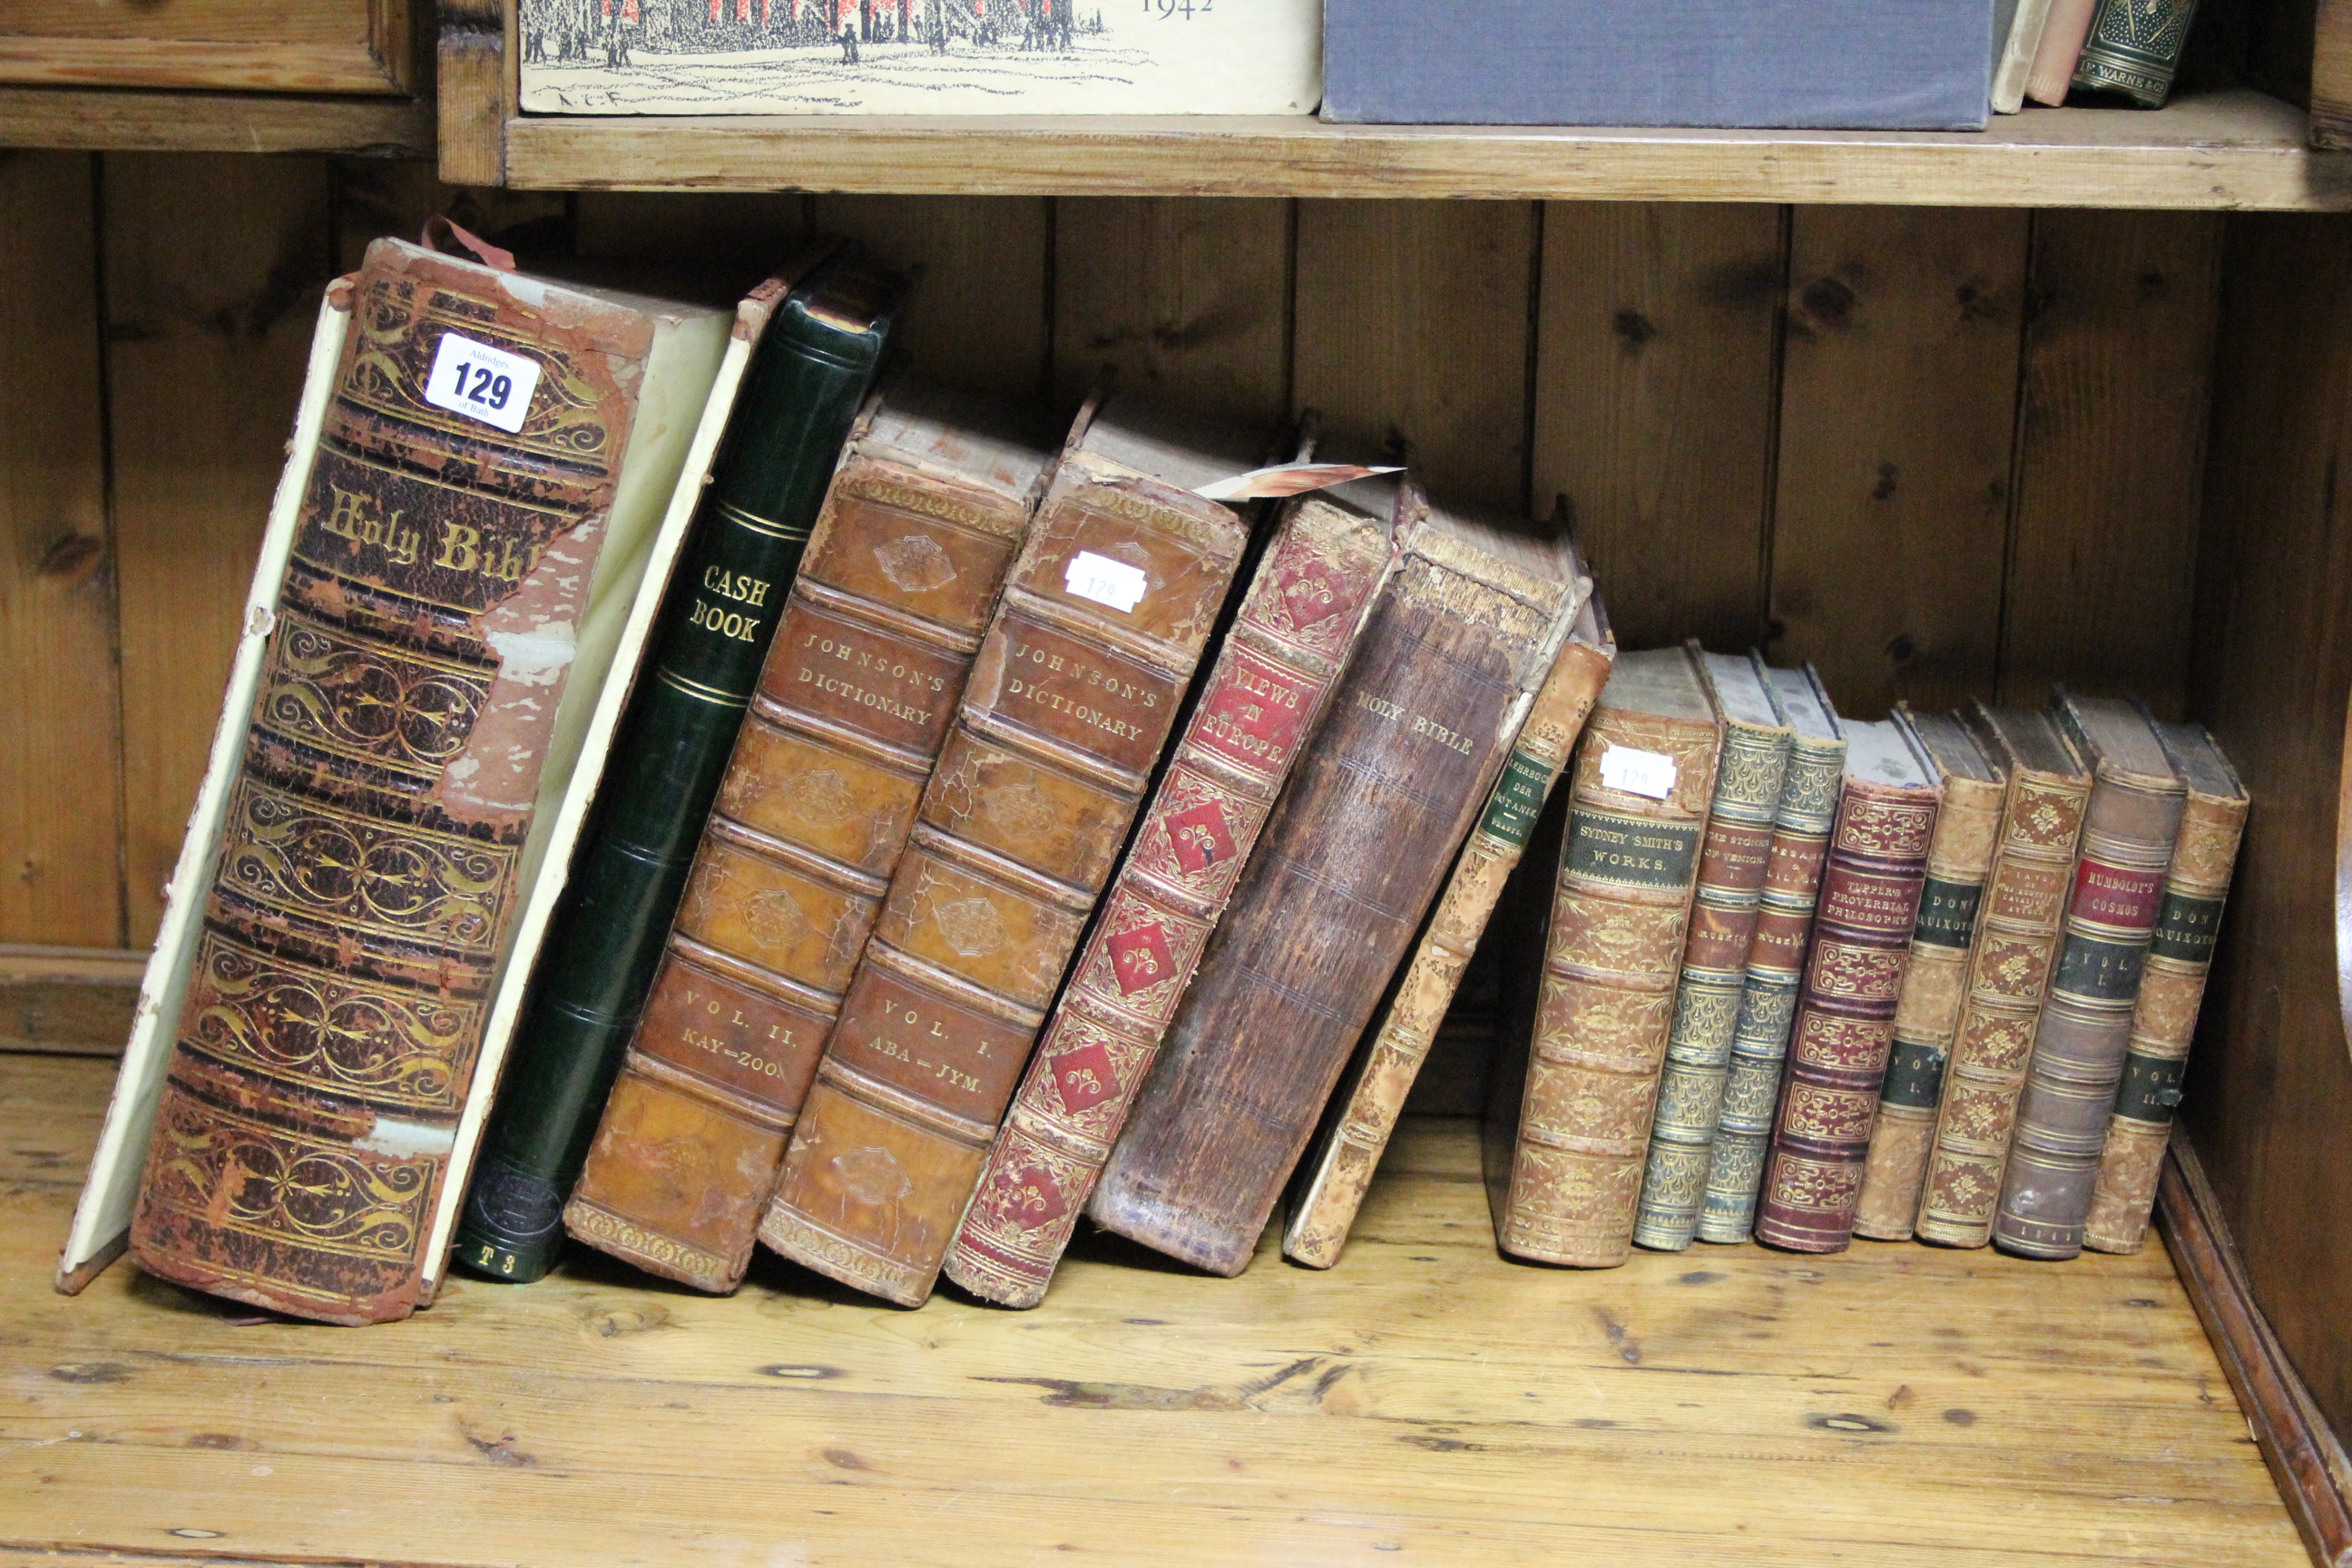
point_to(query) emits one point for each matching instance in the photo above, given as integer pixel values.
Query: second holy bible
(1458, 644)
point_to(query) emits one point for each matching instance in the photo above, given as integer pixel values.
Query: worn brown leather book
(1372, 1100)
(1776, 957)
(878, 630)
(1732, 863)
(1458, 644)
(2008, 970)
(1854, 978)
(1070, 701)
(2136, 800)
(2171, 990)
(1564, 1161)
(497, 450)
(1260, 704)
(1967, 828)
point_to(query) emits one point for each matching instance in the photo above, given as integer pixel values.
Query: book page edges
(101, 1222)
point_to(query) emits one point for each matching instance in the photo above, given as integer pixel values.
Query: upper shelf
(2227, 149)
(112, 119)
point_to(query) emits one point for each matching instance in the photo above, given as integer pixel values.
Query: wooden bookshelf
(1424, 1402)
(2235, 149)
(76, 118)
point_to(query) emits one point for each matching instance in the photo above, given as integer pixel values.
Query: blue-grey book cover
(1893, 65)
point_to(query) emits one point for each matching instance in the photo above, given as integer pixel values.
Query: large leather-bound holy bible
(2171, 990)
(493, 460)
(1568, 1119)
(1460, 641)
(2008, 970)
(1070, 700)
(1776, 958)
(876, 637)
(1341, 1169)
(807, 383)
(2137, 802)
(1259, 707)
(1732, 862)
(1966, 827)
(1854, 978)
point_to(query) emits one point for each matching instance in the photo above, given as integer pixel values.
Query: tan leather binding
(1070, 701)
(1564, 1175)
(903, 571)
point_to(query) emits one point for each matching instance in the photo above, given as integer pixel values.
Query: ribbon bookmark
(1287, 479)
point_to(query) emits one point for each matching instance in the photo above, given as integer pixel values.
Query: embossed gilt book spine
(1967, 828)
(496, 448)
(2171, 989)
(1564, 1170)
(1071, 699)
(875, 640)
(1260, 705)
(1854, 979)
(804, 388)
(2128, 832)
(2134, 48)
(2008, 971)
(1370, 1102)
(1459, 642)
(1732, 863)
(1776, 958)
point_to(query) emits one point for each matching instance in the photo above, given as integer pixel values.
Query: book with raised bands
(1776, 957)
(1966, 827)
(2079, 1046)
(1374, 1098)
(459, 549)
(1259, 707)
(877, 635)
(2008, 969)
(1070, 700)
(2171, 989)
(1860, 949)
(1737, 853)
(1569, 1118)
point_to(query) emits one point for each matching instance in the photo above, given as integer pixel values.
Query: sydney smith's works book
(1458, 644)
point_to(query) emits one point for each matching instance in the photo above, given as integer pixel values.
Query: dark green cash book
(809, 375)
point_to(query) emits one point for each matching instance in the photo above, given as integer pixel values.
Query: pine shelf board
(1424, 1402)
(2225, 149)
(110, 119)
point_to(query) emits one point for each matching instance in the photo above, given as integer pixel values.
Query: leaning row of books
(890, 823)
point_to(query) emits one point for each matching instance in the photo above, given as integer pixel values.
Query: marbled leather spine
(2009, 972)
(1854, 979)
(1620, 903)
(1070, 701)
(877, 635)
(1768, 998)
(2137, 799)
(1258, 710)
(370, 864)
(1967, 828)
(2171, 990)
(1374, 1099)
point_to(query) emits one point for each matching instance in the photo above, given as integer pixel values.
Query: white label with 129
(481, 383)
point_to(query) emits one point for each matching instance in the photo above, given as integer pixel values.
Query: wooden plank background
(1935, 451)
